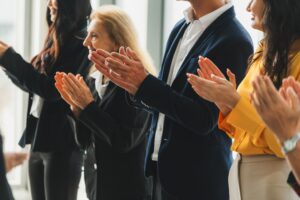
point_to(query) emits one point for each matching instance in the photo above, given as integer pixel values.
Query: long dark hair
(281, 24)
(71, 17)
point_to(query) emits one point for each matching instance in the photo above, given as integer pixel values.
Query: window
(137, 10)
(173, 12)
(11, 118)
(95, 3)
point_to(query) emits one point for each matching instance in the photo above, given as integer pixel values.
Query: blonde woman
(103, 114)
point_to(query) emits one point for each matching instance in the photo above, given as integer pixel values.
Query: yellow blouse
(244, 125)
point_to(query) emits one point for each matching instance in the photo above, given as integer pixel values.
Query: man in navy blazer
(188, 156)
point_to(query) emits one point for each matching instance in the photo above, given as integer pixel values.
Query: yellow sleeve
(224, 126)
(244, 117)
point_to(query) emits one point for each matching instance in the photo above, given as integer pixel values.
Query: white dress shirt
(100, 85)
(193, 32)
(36, 106)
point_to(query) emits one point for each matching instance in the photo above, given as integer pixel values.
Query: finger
(213, 67)
(122, 58)
(231, 77)
(117, 66)
(122, 51)
(132, 54)
(121, 83)
(200, 73)
(206, 89)
(58, 77)
(64, 95)
(293, 98)
(259, 91)
(102, 53)
(69, 86)
(204, 68)
(75, 82)
(271, 91)
(200, 83)
(99, 57)
(296, 85)
(255, 101)
(83, 83)
(283, 94)
(219, 80)
(285, 84)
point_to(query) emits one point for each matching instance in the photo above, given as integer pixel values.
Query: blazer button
(165, 140)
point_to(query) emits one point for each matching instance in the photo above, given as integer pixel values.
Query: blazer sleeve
(28, 79)
(192, 112)
(123, 132)
(82, 134)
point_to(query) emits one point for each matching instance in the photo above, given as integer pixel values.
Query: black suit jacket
(194, 156)
(52, 131)
(5, 191)
(119, 133)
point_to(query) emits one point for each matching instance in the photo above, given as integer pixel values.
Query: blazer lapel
(164, 72)
(229, 14)
(109, 91)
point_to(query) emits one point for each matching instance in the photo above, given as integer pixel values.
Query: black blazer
(5, 191)
(52, 131)
(194, 157)
(119, 133)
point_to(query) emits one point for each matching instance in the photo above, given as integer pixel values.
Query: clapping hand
(74, 91)
(123, 68)
(280, 110)
(212, 85)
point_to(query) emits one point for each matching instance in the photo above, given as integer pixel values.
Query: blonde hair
(122, 31)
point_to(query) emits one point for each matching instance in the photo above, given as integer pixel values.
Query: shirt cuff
(244, 117)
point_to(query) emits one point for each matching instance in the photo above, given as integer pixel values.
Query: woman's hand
(14, 159)
(77, 90)
(59, 86)
(212, 85)
(3, 48)
(280, 110)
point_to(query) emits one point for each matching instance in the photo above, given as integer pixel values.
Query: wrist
(135, 88)
(234, 100)
(290, 144)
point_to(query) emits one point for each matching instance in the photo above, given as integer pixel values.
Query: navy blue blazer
(194, 157)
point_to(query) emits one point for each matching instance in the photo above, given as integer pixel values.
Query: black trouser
(55, 176)
(158, 192)
(90, 173)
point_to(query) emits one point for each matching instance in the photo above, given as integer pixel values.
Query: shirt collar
(206, 20)
(96, 74)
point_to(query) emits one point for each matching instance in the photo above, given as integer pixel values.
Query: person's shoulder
(178, 26)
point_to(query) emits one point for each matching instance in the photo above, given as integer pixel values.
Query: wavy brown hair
(281, 24)
(72, 16)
